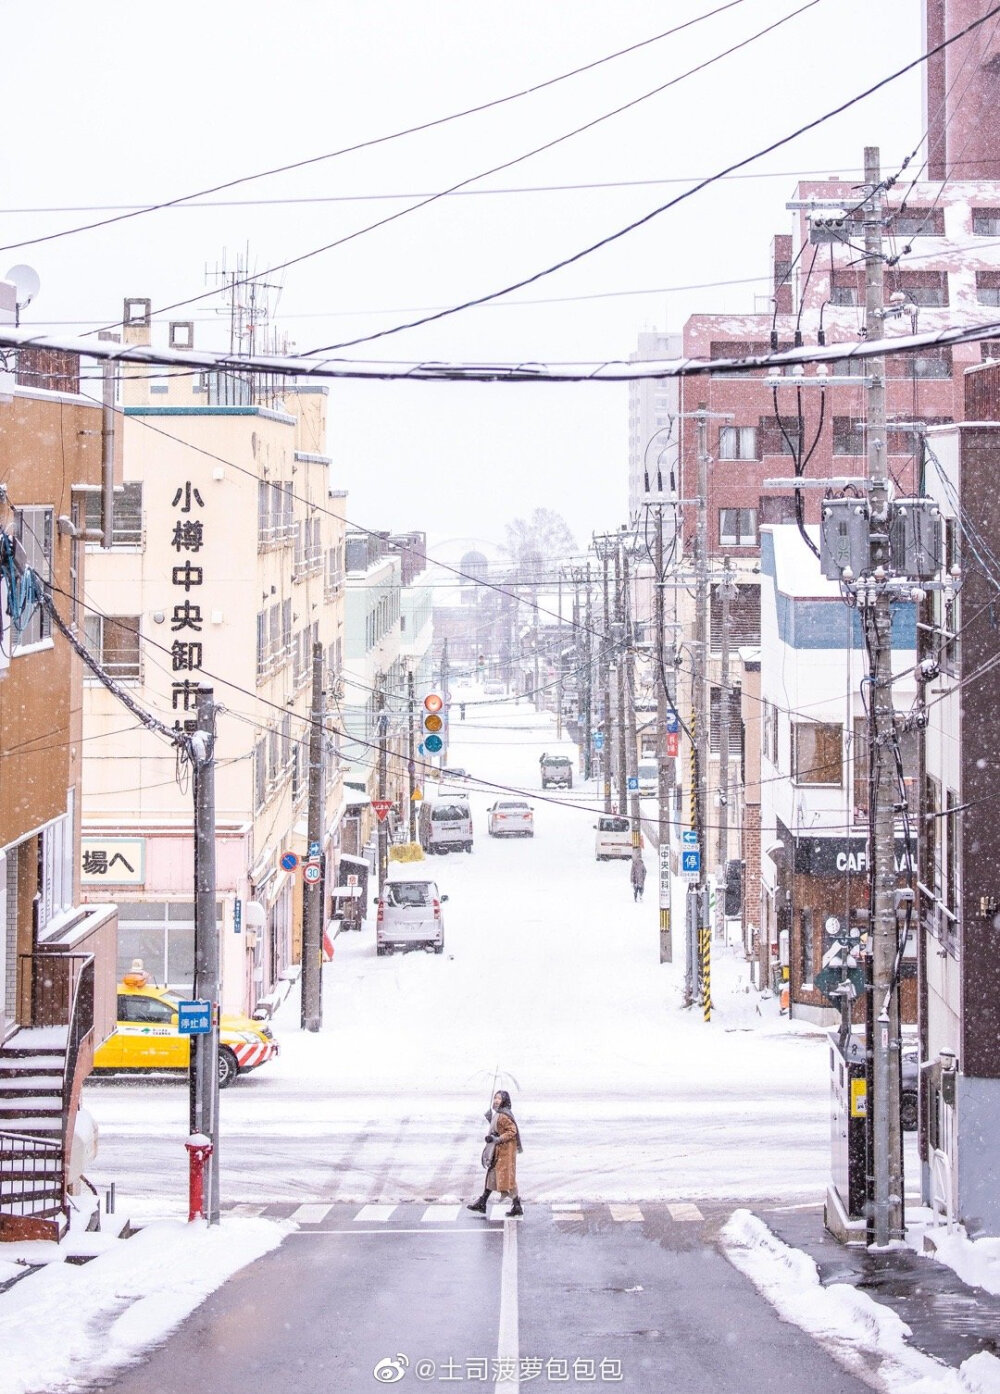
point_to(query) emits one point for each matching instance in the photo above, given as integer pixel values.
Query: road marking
(685, 1210)
(508, 1342)
(435, 1214)
(375, 1212)
(310, 1214)
(244, 1207)
(625, 1212)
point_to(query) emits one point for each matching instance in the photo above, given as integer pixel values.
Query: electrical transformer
(844, 538)
(915, 539)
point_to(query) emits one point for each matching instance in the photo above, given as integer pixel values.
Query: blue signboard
(289, 861)
(314, 850)
(194, 1018)
(632, 781)
(598, 740)
(673, 722)
(237, 916)
(691, 863)
(689, 837)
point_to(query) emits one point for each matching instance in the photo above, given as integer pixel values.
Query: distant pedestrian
(503, 1142)
(638, 875)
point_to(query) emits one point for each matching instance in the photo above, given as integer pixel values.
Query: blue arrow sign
(689, 837)
(673, 722)
(598, 740)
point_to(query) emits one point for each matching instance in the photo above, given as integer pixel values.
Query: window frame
(808, 766)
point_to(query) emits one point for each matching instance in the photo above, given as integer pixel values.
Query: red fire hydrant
(199, 1150)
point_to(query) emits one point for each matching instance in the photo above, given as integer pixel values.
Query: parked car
(146, 1039)
(614, 837)
(511, 818)
(557, 771)
(409, 913)
(445, 825)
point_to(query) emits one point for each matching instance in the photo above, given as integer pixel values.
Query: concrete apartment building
(57, 956)
(958, 898)
(227, 567)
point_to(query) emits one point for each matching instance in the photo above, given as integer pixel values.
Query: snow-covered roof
(796, 570)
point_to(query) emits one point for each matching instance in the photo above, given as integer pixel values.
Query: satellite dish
(26, 284)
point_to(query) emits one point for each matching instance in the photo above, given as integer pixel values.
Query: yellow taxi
(146, 1039)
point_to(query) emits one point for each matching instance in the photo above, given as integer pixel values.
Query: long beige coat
(502, 1175)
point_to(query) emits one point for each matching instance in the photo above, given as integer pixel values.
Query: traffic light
(432, 723)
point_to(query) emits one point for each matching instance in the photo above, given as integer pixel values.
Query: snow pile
(861, 1334)
(112, 1310)
(976, 1261)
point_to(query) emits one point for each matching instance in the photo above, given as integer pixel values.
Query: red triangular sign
(381, 807)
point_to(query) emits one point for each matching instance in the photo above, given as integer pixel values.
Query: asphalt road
(578, 1298)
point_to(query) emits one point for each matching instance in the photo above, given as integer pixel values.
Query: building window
(919, 287)
(737, 527)
(846, 288)
(735, 743)
(33, 528)
(738, 443)
(263, 656)
(848, 435)
(777, 508)
(781, 435)
(743, 626)
(769, 731)
(988, 287)
(986, 222)
(259, 775)
(126, 523)
(114, 642)
(915, 222)
(817, 752)
(928, 362)
(806, 951)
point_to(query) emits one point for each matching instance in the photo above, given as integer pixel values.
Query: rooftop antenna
(26, 286)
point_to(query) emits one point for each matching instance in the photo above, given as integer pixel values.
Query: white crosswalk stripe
(311, 1214)
(435, 1214)
(625, 1212)
(375, 1212)
(685, 1210)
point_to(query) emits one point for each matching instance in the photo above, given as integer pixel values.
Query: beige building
(227, 567)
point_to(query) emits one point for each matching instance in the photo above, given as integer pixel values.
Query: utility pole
(605, 651)
(108, 452)
(620, 666)
(203, 1073)
(383, 823)
(411, 764)
(665, 763)
(559, 660)
(314, 891)
(887, 1217)
(697, 917)
(587, 681)
(631, 744)
(727, 590)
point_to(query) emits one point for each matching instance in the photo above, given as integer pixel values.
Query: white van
(649, 777)
(409, 912)
(446, 825)
(614, 837)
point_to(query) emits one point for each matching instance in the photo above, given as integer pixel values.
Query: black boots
(479, 1205)
(515, 1209)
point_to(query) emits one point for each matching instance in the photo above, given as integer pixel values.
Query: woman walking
(638, 875)
(503, 1142)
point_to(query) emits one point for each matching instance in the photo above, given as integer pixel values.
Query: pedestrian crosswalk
(315, 1214)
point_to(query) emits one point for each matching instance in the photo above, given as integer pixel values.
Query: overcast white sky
(118, 103)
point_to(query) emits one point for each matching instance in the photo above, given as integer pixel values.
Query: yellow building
(227, 567)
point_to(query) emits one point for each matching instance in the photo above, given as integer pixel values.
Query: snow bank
(865, 1337)
(111, 1311)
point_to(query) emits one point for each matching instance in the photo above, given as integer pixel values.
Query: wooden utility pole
(313, 892)
(883, 1047)
(631, 739)
(382, 831)
(664, 763)
(203, 1073)
(619, 632)
(726, 591)
(606, 648)
(411, 764)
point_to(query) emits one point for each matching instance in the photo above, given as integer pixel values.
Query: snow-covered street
(550, 975)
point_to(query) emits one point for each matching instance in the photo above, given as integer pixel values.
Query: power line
(375, 140)
(663, 208)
